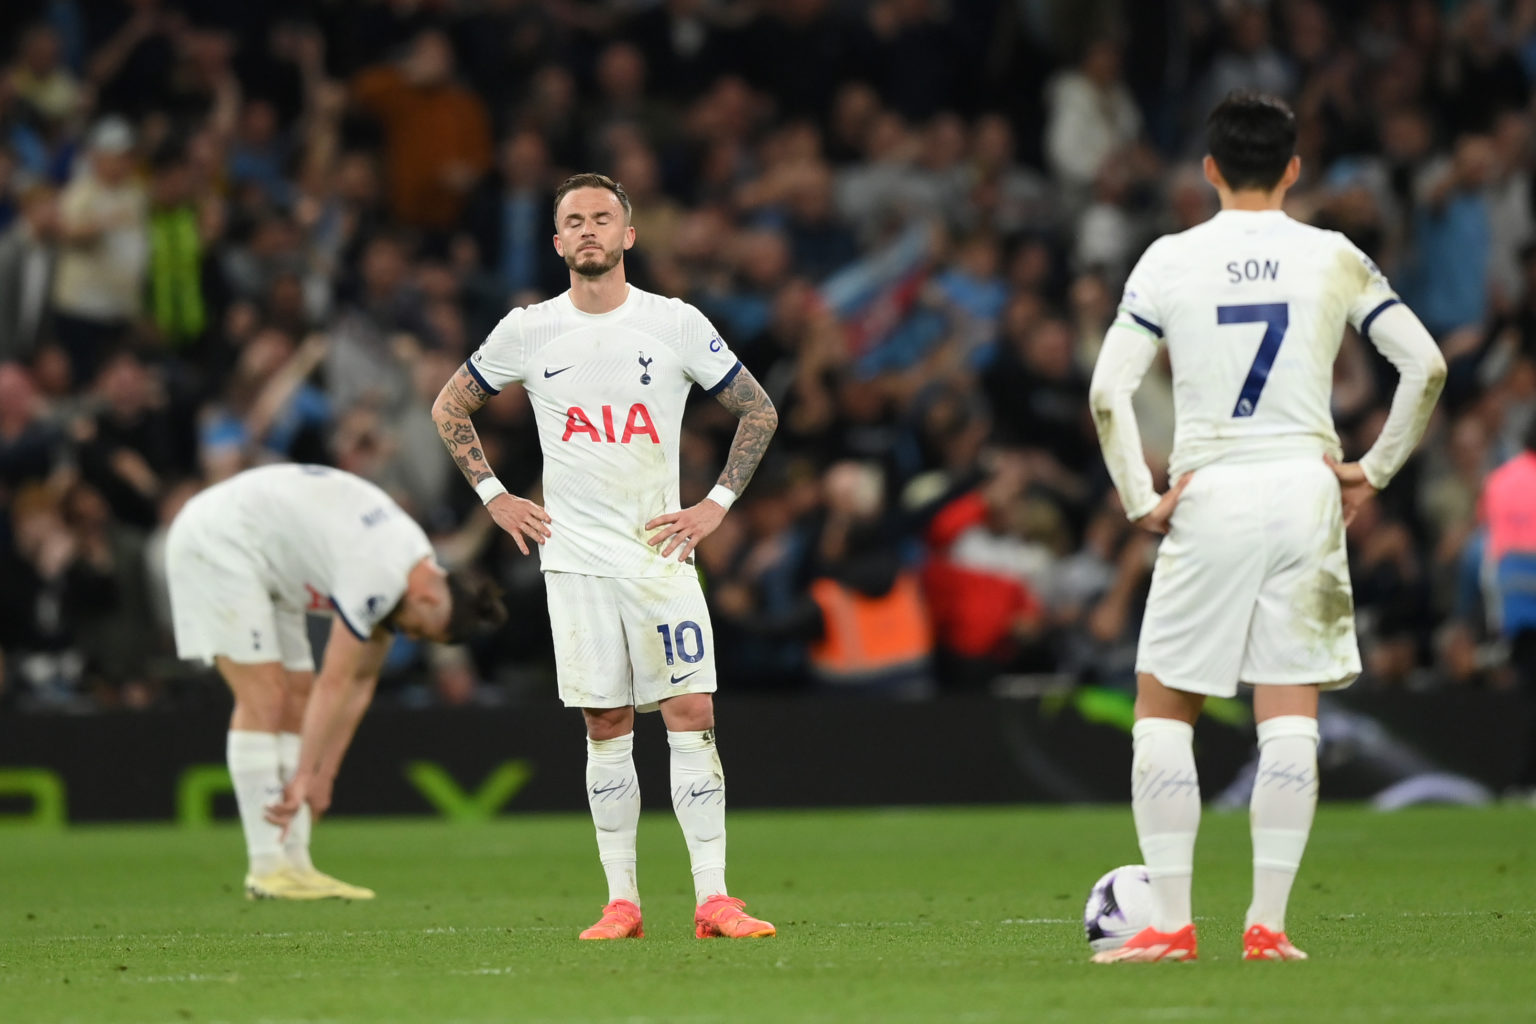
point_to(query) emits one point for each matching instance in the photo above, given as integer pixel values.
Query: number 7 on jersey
(1276, 318)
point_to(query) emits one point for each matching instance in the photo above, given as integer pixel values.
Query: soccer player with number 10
(608, 368)
(1251, 583)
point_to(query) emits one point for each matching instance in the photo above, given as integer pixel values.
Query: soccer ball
(1119, 906)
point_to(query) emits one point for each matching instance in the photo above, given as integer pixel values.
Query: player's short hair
(1252, 137)
(590, 180)
(476, 606)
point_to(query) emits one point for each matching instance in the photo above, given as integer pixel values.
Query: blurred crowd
(232, 233)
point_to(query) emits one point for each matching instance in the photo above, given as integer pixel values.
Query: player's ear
(629, 236)
(1213, 173)
(559, 249)
(1292, 172)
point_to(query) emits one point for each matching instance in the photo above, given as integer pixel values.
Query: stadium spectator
(437, 133)
(916, 58)
(27, 258)
(988, 614)
(35, 627)
(509, 218)
(178, 235)
(1508, 498)
(30, 446)
(1481, 77)
(1248, 60)
(373, 337)
(1092, 119)
(106, 600)
(863, 615)
(42, 80)
(1004, 196)
(130, 446)
(621, 109)
(682, 41)
(1453, 237)
(98, 288)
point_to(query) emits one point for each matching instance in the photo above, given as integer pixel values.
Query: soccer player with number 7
(1251, 582)
(608, 368)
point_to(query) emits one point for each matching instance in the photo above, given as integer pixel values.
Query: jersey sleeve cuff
(469, 364)
(1370, 318)
(1145, 324)
(720, 385)
(348, 622)
(1374, 476)
(1143, 508)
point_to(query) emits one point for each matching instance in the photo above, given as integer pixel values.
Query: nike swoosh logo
(678, 679)
(613, 787)
(550, 373)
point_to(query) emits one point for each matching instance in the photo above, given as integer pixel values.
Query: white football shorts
(219, 605)
(1252, 583)
(630, 641)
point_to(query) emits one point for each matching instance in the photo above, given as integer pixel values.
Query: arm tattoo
(746, 398)
(458, 400)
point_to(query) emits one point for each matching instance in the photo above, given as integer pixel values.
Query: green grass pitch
(889, 916)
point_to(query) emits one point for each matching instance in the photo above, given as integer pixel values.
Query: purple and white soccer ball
(1119, 906)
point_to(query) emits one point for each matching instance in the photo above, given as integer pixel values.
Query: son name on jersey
(1252, 270)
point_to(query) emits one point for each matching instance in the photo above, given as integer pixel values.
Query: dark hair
(1252, 137)
(476, 606)
(590, 180)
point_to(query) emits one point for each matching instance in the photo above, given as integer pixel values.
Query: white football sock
(1284, 802)
(1165, 800)
(698, 797)
(613, 793)
(296, 846)
(253, 768)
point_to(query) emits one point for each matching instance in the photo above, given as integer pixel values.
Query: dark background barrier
(805, 752)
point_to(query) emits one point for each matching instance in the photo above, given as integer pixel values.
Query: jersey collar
(612, 314)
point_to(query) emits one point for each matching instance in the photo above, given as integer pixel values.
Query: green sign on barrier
(455, 804)
(200, 784)
(195, 791)
(46, 788)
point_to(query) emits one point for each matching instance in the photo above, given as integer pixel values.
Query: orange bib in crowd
(870, 636)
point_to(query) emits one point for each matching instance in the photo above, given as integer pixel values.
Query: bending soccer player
(608, 368)
(1251, 583)
(246, 560)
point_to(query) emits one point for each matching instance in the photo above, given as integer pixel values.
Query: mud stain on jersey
(1108, 430)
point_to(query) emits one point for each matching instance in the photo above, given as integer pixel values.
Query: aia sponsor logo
(602, 428)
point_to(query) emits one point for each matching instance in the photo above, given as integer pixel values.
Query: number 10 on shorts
(685, 641)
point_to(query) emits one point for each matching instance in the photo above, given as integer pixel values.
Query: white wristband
(488, 489)
(722, 495)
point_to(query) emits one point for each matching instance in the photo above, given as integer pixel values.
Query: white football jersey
(608, 392)
(322, 539)
(1252, 306)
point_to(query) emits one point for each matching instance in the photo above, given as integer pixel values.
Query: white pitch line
(1418, 1011)
(307, 933)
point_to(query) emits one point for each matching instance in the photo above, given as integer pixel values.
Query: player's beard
(590, 264)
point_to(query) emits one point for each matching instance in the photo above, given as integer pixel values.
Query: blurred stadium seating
(239, 232)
